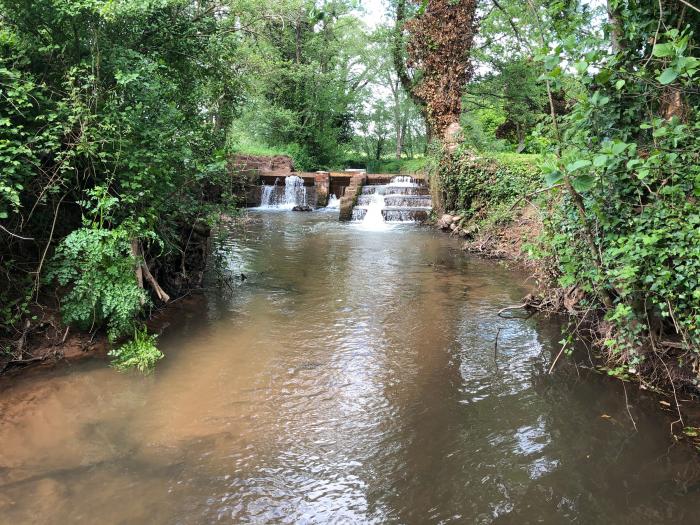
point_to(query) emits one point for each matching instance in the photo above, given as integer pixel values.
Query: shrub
(97, 266)
(140, 353)
(487, 186)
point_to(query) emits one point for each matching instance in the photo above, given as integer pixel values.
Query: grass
(397, 166)
(253, 148)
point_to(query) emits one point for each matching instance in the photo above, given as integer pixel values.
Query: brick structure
(347, 202)
(322, 182)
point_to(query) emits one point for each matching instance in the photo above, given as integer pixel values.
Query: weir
(403, 199)
(373, 199)
(292, 193)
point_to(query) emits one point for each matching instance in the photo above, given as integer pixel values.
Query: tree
(438, 40)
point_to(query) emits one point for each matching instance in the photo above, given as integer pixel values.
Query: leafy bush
(485, 187)
(632, 152)
(97, 266)
(406, 166)
(140, 353)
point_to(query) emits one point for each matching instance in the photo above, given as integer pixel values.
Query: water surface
(349, 378)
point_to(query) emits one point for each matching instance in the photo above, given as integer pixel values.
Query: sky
(375, 11)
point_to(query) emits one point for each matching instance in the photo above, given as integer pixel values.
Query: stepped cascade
(286, 197)
(404, 199)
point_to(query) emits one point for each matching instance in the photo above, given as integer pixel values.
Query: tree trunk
(615, 28)
(297, 40)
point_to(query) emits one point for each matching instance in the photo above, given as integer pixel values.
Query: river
(350, 377)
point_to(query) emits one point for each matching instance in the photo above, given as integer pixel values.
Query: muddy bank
(169, 278)
(52, 344)
(509, 241)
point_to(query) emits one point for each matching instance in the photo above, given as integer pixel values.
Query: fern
(97, 266)
(140, 353)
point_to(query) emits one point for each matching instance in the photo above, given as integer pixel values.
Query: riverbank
(50, 344)
(500, 209)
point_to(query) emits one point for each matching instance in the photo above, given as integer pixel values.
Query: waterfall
(403, 200)
(403, 182)
(374, 218)
(267, 197)
(333, 202)
(294, 194)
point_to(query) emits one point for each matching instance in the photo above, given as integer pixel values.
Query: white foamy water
(374, 219)
(333, 202)
(403, 181)
(294, 194)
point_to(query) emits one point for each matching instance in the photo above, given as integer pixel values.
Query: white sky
(374, 12)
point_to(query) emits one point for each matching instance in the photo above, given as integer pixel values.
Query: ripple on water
(350, 378)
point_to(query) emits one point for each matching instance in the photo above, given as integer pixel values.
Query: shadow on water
(350, 378)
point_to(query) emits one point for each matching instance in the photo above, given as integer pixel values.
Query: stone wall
(347, 202)
(256, 165)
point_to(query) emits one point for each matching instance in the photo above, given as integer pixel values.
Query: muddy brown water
(349, 379)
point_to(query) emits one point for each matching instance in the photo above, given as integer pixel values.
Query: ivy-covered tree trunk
(438, 47)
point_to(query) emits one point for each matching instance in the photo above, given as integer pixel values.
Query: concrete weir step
(385, 190)
(397, 199)
(395, 214)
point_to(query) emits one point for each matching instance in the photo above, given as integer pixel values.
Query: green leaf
(553, 177)
(618, 148)
(583, 183)
(663, 50)
(575, 166)
(668, 76)
(600, 160)
(619, 84)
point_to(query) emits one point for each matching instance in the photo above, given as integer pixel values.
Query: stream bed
(346, 376)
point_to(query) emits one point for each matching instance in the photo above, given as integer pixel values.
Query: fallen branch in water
(495, 347)
(627, 406)
(557, 358)
(21, 362)
(517, 307)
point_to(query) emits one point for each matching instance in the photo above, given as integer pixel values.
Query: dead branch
(160, 293)
(557, 358)
(15, 235)
(517, 307)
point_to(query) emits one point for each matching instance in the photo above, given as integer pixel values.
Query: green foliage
(119, 105)
(405, 166)
(630, 148)
(96, 266)
(308, 70)
(485, 188)
(140, 353)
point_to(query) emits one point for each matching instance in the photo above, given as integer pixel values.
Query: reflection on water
(350, 378)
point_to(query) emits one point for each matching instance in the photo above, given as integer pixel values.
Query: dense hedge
(484, 188)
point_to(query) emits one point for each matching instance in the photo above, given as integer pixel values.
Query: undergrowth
(140, 353)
